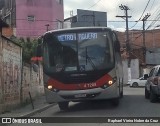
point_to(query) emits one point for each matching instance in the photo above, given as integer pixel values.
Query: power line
(152, 5)
(141, 15)
(157, 17)
(85, 21)
(154, 22)
(94, 4)
(69, 21)
(144, 10)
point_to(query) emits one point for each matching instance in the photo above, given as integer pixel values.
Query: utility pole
(144, 44)
(125, 8)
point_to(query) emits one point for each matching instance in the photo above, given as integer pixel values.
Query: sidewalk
(39, 104)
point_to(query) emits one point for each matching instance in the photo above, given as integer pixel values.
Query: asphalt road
(133, 104)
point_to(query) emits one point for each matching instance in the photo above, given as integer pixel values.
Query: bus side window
(158, 73)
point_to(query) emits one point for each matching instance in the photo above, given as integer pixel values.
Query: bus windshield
(80, 51)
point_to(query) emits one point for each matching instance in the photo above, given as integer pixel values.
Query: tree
(28, 46)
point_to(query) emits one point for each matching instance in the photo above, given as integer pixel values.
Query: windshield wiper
(88, 58)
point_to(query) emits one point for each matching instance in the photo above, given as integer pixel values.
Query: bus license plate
(80, 95)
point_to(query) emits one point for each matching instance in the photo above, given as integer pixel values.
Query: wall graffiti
(12, 74)
(11, 81)
(31, 83)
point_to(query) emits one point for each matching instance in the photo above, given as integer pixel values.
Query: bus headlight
(110, 82)
(50, 87)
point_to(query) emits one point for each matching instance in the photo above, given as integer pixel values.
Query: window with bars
(31, 18)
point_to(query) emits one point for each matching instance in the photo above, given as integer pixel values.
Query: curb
(37, 110)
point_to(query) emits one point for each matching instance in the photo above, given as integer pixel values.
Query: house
(31, 18)
(10, 73)
(86, 18)
(18, 82)
(148, 57)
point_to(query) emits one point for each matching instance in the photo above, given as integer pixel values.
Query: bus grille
(81, 79)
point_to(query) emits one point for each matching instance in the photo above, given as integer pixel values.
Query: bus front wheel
(63, 105)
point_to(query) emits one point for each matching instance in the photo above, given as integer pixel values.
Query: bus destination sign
(81, 36)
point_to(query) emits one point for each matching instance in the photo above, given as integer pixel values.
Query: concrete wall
(125, 71)
(86, 18)
(32, 82)
(15, 82)
(134, 70)
(10, 73)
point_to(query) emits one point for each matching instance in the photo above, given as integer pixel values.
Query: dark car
(152, 86)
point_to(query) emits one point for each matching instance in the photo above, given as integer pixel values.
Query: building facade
(18, 81)
(31, 18)
(152, 45)
(148, 57)
(86, 18)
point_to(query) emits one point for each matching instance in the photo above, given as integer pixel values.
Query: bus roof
(78, 28)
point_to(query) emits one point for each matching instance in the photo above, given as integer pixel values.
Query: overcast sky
(136, 7)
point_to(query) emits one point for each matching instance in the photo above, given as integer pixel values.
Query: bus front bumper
(82, 95)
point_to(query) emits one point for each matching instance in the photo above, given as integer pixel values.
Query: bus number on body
(90, 85)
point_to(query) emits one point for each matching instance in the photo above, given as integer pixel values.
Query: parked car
(152, 87)
(137, 82)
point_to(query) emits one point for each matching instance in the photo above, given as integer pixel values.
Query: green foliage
(28, 46)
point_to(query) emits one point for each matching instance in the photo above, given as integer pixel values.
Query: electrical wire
(141, 15)
(152, 5)
(144, 9)
(94, 4)
(78, 21)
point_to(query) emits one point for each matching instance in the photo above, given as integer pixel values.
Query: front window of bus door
(94, 51)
